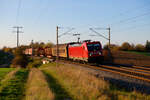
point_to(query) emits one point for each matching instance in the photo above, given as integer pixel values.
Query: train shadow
(58, 90)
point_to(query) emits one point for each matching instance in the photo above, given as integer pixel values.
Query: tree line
(31, 45)
(126, 46)
(20, 59)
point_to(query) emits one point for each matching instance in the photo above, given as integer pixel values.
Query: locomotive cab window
(93, 47)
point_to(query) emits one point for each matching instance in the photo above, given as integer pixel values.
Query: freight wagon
(62, 50)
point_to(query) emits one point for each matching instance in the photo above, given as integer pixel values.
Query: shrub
(132, 47)
(114, 47)
(106, 47)
(125, 46)
(139, 47)
(20, 60)
(35, 63)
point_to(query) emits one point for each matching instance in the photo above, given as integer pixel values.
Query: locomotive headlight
(91, 53)
(99, 53)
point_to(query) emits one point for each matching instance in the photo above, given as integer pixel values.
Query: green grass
(4, 71)
(15, 87)
(73, 82)
(57, 88)
(141, 53)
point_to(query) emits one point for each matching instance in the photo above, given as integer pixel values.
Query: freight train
(87, 51)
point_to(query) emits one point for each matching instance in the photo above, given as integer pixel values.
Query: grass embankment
(78, 84)
(37, 87)
(69, 82)
(14, 88)
(4, 71)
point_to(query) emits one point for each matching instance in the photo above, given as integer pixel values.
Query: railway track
(135, 72)
(143, 68)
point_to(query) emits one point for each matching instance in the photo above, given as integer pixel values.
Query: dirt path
(37, 87)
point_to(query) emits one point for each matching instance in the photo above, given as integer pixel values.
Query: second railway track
(133, 72)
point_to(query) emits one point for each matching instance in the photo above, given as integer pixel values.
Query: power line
(67, 32)
(18, 10)
(133, 27)
(101, 34)
(131, 18)
(129, 11)
(41, 12)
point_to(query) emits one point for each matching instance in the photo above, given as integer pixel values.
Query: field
(49, 82)
(4, 71)
(127, 58)
(141, 53)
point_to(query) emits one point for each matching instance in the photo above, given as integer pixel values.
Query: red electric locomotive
(86, 51)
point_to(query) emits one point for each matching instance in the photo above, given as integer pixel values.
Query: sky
(129, 20)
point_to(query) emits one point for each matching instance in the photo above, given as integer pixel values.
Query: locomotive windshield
(93, 47)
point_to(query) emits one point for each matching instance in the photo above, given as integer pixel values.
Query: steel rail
(127, 70)
(126, 73)
(136, 69)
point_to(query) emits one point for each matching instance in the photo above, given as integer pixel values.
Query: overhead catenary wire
(133, 27)
(126, 12)
(133, 21)
(41, 12)
(98, 33)
(130, 10)
(67, 32)
(131, 18)
(18, 11)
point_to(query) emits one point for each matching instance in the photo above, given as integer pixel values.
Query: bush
(35, 63)
(132, 47)
(139, 47)
(106, 47)
(114, 47)
(20, 60)
(125, 46)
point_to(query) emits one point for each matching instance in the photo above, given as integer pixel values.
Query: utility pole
(18, 31)
(109, 36)
(32, 48)
(57, 46)
(57, 51)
